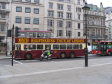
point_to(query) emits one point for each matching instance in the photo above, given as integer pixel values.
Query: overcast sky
(105, 3)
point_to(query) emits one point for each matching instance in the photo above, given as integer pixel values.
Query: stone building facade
(64, 18)
(96, 23)
(108, 21)
(4, 23)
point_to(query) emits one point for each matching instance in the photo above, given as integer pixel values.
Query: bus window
(103, 46)
(23, 34)
(55, 46)
(109, 46)
(95, 47)
(25, 47)
(32, 34)
(32, 46)
(69, 46)
(39, 46)
(75, 46)
(48, 46)
(80, 46)
(16, 47)
(47, 35)
(41, 35)
(62, 46)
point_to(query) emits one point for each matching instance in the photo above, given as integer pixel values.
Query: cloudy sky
(106, 3)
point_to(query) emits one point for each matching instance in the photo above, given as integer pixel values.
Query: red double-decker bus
(31, 44)
(102, 47)
(28, 48)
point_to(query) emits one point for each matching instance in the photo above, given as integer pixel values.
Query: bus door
(18, 51)
(103, 48)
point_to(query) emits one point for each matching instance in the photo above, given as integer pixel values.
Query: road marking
(49, 71)
(100, 64)
(17, 61)
(41, 72)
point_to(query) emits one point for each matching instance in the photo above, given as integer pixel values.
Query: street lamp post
(86, 9)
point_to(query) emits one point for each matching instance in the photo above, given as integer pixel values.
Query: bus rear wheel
(28, 56)
(62, 55)
(72, 55)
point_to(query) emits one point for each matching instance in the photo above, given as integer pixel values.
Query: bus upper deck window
(32, 34)
(47, 35)
(41, 35)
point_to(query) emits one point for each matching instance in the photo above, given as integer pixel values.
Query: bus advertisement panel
(28, 48)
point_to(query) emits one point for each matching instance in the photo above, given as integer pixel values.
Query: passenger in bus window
(25, 47)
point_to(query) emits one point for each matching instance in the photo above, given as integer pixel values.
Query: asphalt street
(57, 71)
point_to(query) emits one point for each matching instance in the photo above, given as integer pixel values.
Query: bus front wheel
(72, 55)
(109, 53)
(28, 56)
(62, 55)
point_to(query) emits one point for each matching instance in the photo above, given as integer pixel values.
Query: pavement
(5, 57)
(99, 71)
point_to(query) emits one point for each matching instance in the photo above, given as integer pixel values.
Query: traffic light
(9, 33)
(17, 31)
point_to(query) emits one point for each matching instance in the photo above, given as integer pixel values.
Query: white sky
(106, 3)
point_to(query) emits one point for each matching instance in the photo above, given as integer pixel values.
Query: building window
(51, 5)
(36, 21)
(26, 28)
(78, 2)
(27, 20)
(60, 23)
(27, 10)
(2, 27)
(68, 1)
(3, 15)
(68, 33)
(36, 29)
(60, 14)
(36, 1)
(60, 6)
(50, 13)
(78, 34)
(78, 25)
(3, 6)
(18, 19)
(36, 10)
(59, 33)
(18, 9)
(61, 0)
(68, 24)
(78, 9)
(28, 0)
(69, 15)
(50, 23)
(68, 8)
(78, 16)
